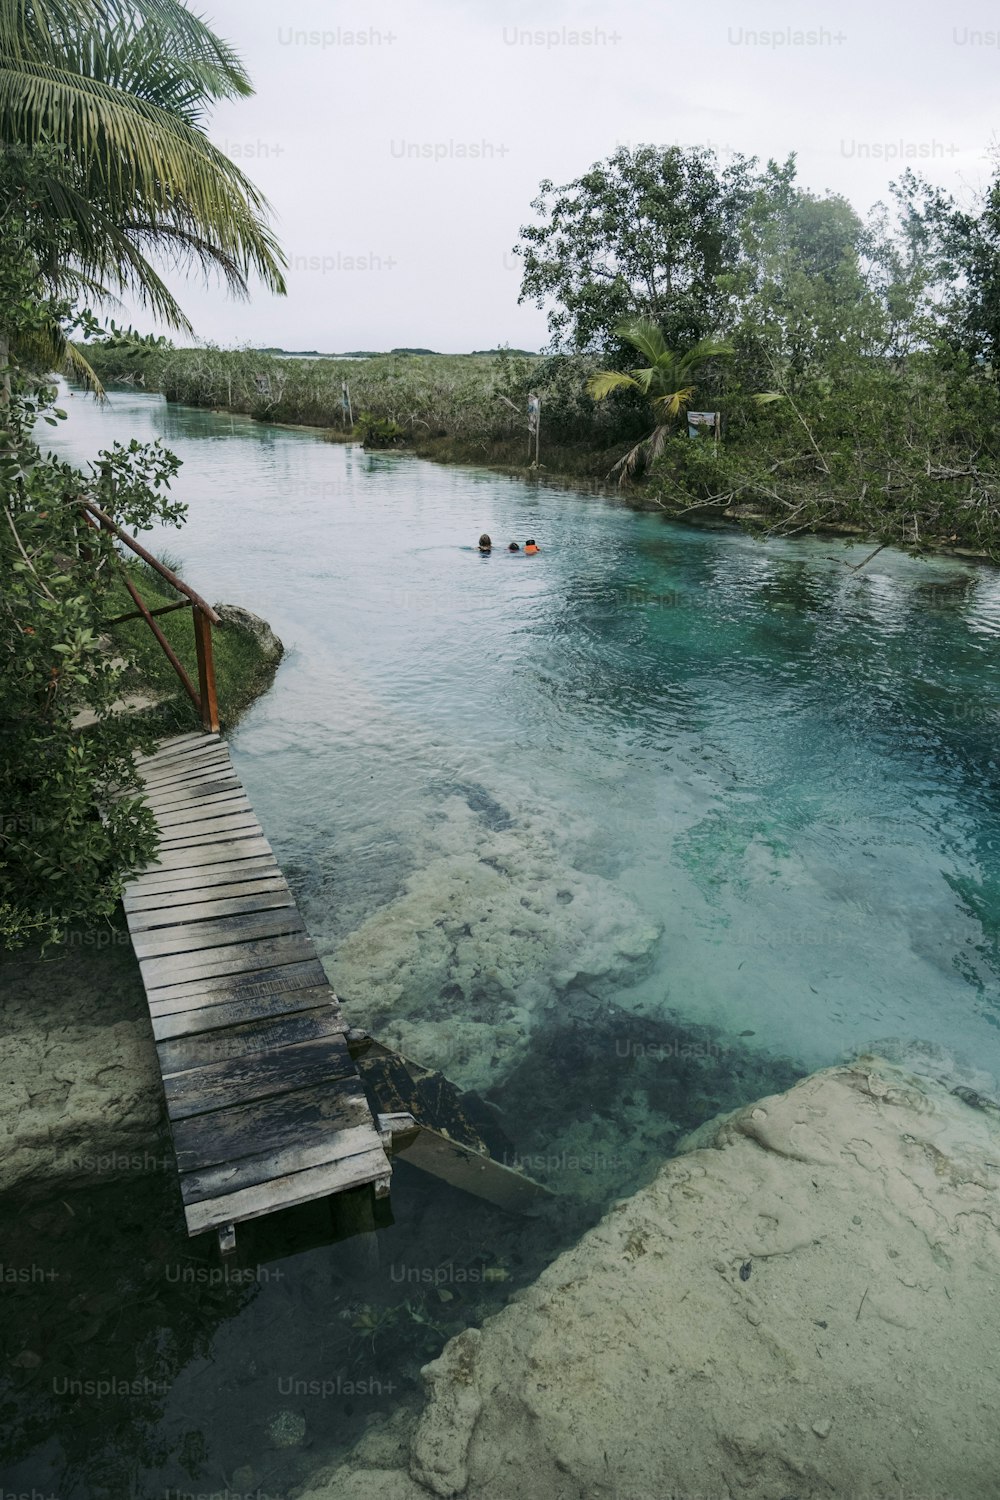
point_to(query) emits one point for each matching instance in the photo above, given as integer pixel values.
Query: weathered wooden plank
(263, 883)
(177, 968)
(251, 1171)
(190, 781)
(471, 1171)
(197, 759)
(209, 911)
(234, 1012)
(268, 1034)
(189, 937)
(259, 1076)
(257, 867)
(286, 1192)
(201, 791)
(182, 745)
(182, 765)
(213, 765)
(211, 830)
(195, 783)
(257, 984)
(206, 809)
(177, 746)
(173, 742)
(219, 852)
(265, 1124)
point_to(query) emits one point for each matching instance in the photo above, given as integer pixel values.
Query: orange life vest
(531, 549)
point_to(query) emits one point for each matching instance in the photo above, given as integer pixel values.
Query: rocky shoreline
(805, 1303)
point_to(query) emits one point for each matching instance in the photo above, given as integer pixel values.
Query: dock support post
(227, 1239)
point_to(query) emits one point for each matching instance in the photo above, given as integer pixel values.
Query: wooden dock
(265, 1102)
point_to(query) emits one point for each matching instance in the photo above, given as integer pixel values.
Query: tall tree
(645, 234)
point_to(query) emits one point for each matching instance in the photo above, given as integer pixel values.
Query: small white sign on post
(703, 421)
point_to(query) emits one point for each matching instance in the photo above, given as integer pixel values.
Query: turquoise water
(619, 835)
(788, 767)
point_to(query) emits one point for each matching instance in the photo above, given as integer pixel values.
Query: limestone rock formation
(244, 619)
(806, 1303)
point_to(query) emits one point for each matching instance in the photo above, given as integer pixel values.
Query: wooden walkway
(265, 1103)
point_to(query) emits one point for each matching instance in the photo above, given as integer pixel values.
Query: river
(618, 834)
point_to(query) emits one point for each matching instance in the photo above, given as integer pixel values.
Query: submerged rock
(81, 1096)
(286, 1429)
(489, 931)
(858, 1359)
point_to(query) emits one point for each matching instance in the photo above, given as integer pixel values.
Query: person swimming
(513, 547)
(485, 545)
(531, 545)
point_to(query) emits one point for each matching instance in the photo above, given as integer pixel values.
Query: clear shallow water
(621, 834)
(790, 768)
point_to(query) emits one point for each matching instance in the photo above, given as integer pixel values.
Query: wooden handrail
(139, 614)
(147, 557)
(203, 617)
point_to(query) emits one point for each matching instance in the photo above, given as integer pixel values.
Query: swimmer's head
(484, 542)
(513, 547)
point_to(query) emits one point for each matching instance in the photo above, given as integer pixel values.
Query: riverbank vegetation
(873, 339)
(101, 103)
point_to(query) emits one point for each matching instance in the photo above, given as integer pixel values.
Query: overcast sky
(331, 133)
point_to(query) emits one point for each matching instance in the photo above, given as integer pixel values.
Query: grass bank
(244, 669)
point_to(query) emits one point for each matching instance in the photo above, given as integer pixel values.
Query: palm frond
(135, 152)
(709, 349)
(48, 29)
(646, 336)
(79, 365)
(604, 382)
(671, 402)
(47, 349)
(657, 441)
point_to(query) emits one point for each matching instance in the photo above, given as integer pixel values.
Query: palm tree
(668, 382)
(107, 101)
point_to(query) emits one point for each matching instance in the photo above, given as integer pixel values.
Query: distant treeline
(473, 404)
(848, 365)
(378, 353)
(904, 453)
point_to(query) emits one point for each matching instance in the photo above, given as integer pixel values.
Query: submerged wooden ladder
(266, 1105)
